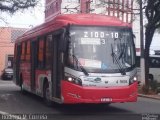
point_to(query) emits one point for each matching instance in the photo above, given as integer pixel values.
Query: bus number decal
(85, 34)
(102, 34)
(103, 41)
(114, 34)
(94, 34)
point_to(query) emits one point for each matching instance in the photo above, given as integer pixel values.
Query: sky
(24, 19)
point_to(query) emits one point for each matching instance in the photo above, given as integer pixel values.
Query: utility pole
(142, 46)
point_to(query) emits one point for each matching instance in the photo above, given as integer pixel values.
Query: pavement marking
(11, 116)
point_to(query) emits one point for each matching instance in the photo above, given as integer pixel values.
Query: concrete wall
(8, 36)
(6, 46)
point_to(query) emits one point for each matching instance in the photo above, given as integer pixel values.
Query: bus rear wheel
(46, 94)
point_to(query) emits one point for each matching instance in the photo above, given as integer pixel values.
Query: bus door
(57, 74)
(17, 62)
(33, 64)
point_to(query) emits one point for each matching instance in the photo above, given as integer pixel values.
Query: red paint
(37, 75)
(25, 69)
(94, 94)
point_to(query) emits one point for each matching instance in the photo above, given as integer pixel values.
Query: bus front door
(57, 74)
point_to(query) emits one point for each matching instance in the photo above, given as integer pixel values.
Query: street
(12, 101)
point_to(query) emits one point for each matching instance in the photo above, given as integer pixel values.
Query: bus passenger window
(41, 54)
(23, 51)
(28, 51)
(48, 51)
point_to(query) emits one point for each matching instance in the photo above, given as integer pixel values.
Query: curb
(157, 97)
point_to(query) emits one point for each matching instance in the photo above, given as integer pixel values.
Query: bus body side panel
(17, 55)
(73, 94)
(25, 71)
(41, 75)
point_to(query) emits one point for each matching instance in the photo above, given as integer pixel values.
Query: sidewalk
(157, 97)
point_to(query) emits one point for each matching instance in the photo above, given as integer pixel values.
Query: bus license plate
(106, 99)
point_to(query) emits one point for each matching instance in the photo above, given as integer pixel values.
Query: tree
(12, 6)
(152, 13)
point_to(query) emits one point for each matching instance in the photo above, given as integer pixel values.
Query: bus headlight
(73, 79)
(132, 80)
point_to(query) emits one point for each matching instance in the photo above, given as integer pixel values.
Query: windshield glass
(101, 49)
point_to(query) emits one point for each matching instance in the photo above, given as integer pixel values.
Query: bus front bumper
(73, 94)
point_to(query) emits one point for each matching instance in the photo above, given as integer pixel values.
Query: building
(7, 38)
(119, 8)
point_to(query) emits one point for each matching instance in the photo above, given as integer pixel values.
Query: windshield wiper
(117, 61)
(81, 67)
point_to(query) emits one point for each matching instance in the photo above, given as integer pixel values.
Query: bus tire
(46, 94)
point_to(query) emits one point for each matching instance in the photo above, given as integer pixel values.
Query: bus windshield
(101, 49)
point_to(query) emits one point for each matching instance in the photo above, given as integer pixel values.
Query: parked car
(7, 73)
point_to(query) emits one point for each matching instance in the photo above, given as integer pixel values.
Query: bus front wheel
(46, 94)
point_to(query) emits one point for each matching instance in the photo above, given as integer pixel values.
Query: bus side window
(41, 53)
(23, 51)
(28, 51)
(48, 52)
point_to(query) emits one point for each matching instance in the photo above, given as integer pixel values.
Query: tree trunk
(148, 39)
(146, 56)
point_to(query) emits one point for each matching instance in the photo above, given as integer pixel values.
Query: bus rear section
(83, 62)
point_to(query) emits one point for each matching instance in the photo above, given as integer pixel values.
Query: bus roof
(76, 19)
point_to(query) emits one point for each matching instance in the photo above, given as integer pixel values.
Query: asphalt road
(14, 102)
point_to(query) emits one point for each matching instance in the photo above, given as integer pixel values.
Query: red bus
(78, 58)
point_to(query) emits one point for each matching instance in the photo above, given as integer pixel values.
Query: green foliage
(152, 88)
(145, 89)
